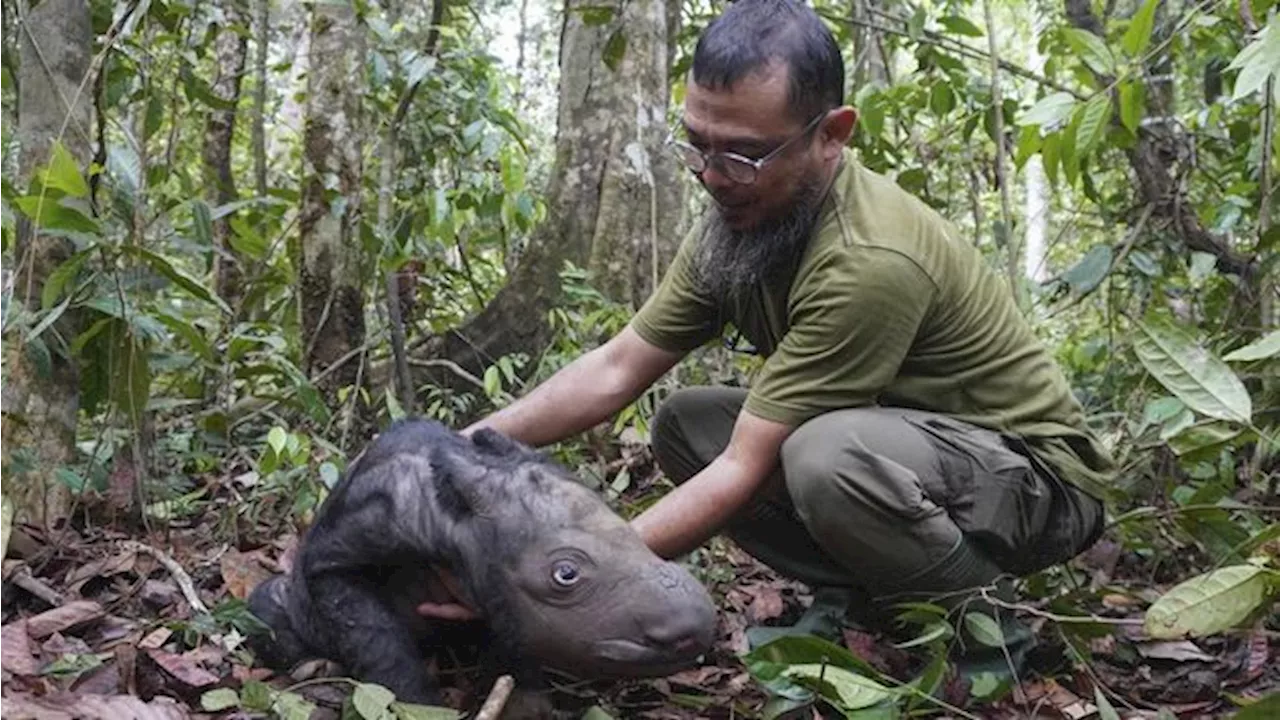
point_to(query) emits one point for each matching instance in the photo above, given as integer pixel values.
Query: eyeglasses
(739, 169)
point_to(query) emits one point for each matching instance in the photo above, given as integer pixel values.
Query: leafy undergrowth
(98, 624)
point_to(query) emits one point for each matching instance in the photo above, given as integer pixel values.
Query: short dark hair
(753, 33)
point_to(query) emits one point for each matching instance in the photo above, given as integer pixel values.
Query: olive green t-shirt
(888, 305)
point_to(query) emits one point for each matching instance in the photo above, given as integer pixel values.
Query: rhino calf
(559, 579)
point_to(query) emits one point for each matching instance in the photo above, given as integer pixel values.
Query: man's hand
(696, 510)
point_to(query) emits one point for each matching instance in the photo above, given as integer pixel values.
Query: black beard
(729, 263)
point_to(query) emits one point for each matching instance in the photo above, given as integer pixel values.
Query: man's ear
(837, 129)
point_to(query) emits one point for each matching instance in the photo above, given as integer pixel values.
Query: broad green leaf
(1090, 270)
(492, 380)
(933, 631)
(188, 332)
(1105, 710)
(984, 629)
(1093, 123)
(277, 438)
(178, 277)
(960, 26)
(1209, 603)
(1092, 49)
(595, 712)
(1144, 263)
(1198, 436)
(246, 241)
(372, 701)
(1052, 154)
(1070, 158)
(219, 699)
(941, 98)
(202, 222)
(1029, 143)
(256, 695)
(984, 684)
(1050, 111)
(413, 711)
(292, 706)
(1267, 346)
(63, 173)
(1268, 708)
(851, 691)
(1257, 61)
(49, 214)
(1138, 36)
(329, 474)
(1202, 264)
(1161, 409)
(1190, 372)
(614, 49)
(1133, 97)
(1174, 426)
(131, 384)
(59, 278)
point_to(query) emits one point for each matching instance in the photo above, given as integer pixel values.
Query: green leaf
(1029, 143)
(1092, 49)
(984, 629)
(292, 706)
(1133, 97)
(1268, 708)
(1257, 61)
(1202, 263)
(162, 266)
(59, 278)
(1052, 154)
(63, 173)
(329, 474)
(372, 701)
(49, 214)
(1190, 372)
(1050, 111)
(256, 695)
(614, 49)
(1267, 346)
(933, 631)
(1090, 270)
(596, 14)
(1138, 36)
(1093, 123)
(202, 223)
(595, 712)
(130, 372)
(413, 711)
(941, 99)
(1198, 436)
(1208, 603)
(492, 381)
(843, 687)
(1105, 710)
(219, 699)
(1161, 409)
(277, 438)
(960, 26)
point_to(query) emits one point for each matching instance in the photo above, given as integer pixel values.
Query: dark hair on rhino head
(753, 33)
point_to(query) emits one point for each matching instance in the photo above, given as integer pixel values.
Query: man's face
(752, 119)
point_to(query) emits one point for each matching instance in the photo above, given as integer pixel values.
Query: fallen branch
(23, 578)
(179, 575)
(497, 699)
(1064, 619)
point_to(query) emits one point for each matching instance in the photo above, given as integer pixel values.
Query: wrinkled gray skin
(560, 579)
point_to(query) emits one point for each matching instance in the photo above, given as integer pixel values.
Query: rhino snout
(675, 623)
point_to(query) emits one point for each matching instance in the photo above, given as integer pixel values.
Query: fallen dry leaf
(102, 567)
(242, 572)
(69, 706)
(68, 616)
(183, 668)
(59, 644)
(17, 652)
(1179, 651)
(1259, 655)
(766, 603)
(698, 677)
(1067, 703)
(155, 638)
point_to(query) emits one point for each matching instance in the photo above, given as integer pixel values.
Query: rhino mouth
(637, 658)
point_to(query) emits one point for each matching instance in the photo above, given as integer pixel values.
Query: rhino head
(561, 575)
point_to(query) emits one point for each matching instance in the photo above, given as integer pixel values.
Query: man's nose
(715, 180)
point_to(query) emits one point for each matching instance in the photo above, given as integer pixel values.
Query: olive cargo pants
(887, 500)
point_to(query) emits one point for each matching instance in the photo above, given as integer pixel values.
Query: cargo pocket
(994, 494)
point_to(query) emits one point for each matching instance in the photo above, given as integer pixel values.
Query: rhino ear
(496, 443)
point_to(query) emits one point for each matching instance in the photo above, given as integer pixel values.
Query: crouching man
(907, 433)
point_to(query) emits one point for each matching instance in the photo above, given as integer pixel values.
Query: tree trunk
(1035, 250)
(601, 202)
(41, 400)
(332, 303)
(230, 49)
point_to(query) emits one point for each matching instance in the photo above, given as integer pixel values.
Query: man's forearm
(579, 396)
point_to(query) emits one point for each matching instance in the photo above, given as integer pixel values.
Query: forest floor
(104, 622)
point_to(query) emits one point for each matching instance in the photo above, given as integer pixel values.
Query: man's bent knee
(692, 426)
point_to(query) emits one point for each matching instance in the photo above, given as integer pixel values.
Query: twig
(456, 369)
(1063, 619)
(497, 699)
(997, 110)
(179, 575)
(1145, 512)
(23, 578)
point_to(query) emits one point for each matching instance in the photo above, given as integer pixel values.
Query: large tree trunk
(601, 198)
(332, 303)
(40, 405)
(230, 49)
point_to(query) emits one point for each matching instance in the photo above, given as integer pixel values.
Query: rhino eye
(565, 573)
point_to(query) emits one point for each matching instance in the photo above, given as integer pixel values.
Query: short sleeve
(852, 323)
(677, 316)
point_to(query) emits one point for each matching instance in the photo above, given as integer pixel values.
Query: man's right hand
(584, 393)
